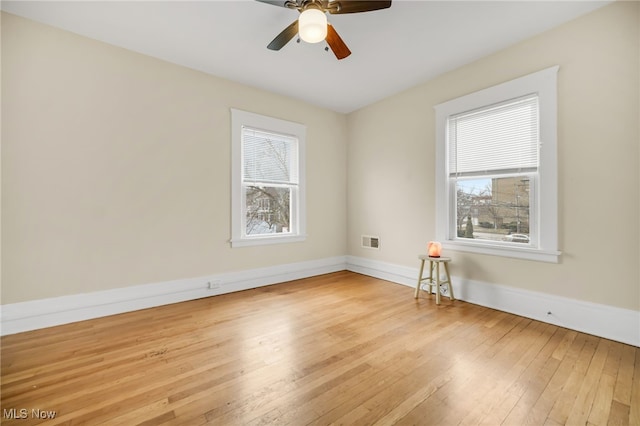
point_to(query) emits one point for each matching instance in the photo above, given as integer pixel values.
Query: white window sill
(527, 253)
(267, 240)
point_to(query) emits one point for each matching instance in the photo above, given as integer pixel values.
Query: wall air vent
(371, 242)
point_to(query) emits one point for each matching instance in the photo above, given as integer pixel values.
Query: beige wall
(391, 179)
(116, 168)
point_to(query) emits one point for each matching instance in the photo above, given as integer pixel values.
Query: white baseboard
(622, 325)
(613, 323)
(36, 314)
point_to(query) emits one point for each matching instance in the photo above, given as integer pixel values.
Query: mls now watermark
(24, 413)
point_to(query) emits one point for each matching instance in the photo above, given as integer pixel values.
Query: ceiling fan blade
(356, 6)
(284, 37)
(336, 44)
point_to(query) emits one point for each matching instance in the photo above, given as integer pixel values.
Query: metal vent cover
(371, 242)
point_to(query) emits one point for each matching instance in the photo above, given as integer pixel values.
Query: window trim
(239, 119)
(544, 84)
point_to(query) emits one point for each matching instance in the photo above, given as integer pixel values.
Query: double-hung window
(496, 169)
(268, 180)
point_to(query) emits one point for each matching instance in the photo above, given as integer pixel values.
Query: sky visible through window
(474, 186)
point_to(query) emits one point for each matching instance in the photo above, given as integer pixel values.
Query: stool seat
(434, 264)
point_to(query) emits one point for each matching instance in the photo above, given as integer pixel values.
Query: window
(268, 180)
(496, 171)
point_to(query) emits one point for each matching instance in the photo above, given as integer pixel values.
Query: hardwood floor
(341, 348)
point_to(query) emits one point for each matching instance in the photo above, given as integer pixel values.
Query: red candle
(434, 248)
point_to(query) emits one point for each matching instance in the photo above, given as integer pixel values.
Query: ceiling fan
(312, 25)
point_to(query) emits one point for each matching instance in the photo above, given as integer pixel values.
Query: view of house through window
(268, 210)
(494, 209)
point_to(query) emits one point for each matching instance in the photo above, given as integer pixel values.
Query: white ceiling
(393, 49)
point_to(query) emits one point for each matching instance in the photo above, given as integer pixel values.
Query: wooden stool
(434, 263)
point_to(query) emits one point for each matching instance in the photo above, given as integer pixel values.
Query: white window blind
(269, 158)
(499, 139)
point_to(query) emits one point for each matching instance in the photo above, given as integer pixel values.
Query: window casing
(496, 169)
(268, 185)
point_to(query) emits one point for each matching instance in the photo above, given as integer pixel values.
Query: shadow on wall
(466, 268)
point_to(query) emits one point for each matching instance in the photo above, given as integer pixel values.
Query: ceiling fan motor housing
(323, 5)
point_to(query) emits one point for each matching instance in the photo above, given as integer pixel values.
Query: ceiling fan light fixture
(312, 25)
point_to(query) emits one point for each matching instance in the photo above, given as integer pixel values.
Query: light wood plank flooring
(341, 348)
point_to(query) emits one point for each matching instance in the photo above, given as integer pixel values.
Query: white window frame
(544, 201)
(239, 238)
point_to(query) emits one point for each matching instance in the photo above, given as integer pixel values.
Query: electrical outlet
(214, 284)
